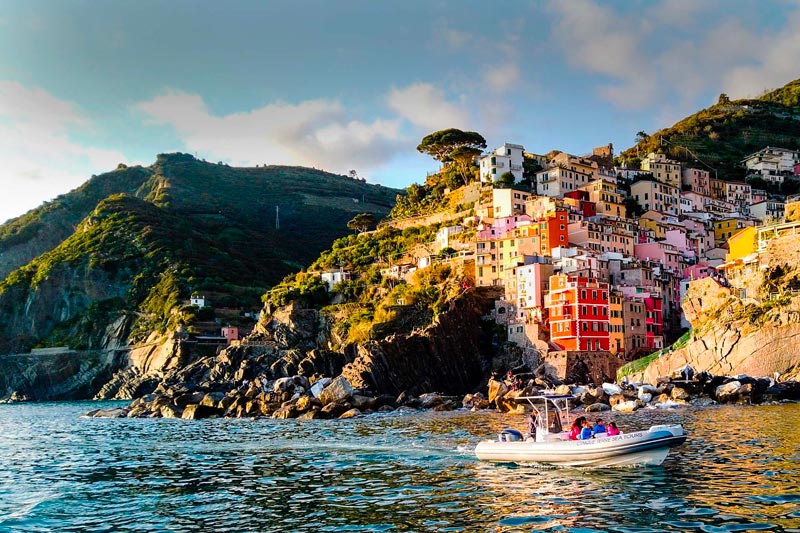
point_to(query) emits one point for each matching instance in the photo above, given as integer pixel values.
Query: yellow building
(659, 230)
(663, 169)
(725, 228)
(577, 164)
(616, 324)
(606, 198)
(742, 244)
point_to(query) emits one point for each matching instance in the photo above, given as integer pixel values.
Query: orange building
(578, 311)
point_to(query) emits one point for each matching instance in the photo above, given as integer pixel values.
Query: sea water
(404, 471)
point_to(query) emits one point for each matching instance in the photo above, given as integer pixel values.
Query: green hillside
(137, 241)
(721, 135)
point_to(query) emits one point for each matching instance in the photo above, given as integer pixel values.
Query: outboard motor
(509, 435)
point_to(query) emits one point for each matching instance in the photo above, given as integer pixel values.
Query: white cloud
(595, 38)
(314, 133)
(39, 158)
(774, 62)
(502, 78)
(669, 52)
(425, 106)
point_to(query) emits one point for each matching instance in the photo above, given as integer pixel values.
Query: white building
(772, 163)
(444, 234)
(199, 301)
(507, 158)
(332, 277)
(508, 202)
(768, 210)
(555, 182)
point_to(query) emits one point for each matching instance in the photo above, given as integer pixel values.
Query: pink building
(677, 238)
(661, 252)
(696, 180)
(500, 227)
(231, 333)
(698, 271)
(797, 169)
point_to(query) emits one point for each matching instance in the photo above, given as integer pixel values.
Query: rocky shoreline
(326, 398)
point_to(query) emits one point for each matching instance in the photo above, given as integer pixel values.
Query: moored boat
(550, 444)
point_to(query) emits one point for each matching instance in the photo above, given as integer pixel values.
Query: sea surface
(403, 471)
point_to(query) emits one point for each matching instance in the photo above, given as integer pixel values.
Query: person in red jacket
(577, 426)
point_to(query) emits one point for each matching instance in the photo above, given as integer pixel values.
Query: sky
(355, 84)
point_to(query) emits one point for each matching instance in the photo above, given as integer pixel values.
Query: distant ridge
(722, 134)
(129, 245)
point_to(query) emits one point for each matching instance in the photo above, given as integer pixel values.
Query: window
(585, 326)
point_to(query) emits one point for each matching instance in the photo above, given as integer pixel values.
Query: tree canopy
(362, 222)
(441, 144)
(463, 158)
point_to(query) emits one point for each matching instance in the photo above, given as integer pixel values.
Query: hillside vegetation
(722, 134)
(134, 244)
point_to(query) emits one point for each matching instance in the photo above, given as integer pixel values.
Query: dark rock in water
(447, 405)
(198, 411)
(170, 411)
(314, 414)
(287, 411)
(189, 398)
(108, 413)
(350, 413)
(336, 409)
(429, 400)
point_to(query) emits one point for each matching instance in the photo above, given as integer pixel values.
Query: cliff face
(739, 347)
(449, 356)
(757, 335)
(63, 376)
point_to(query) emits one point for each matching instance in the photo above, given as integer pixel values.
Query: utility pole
(277, 218)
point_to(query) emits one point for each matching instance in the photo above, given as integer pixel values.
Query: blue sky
(356, 84)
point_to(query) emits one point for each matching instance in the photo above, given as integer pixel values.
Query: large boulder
(336, 409)
(198, 411)
(430, 400)
(616, 398)
(118, 412)
(170, 411)
(286, 411)
(338, 390)
(728, 392)
(597, 407)
(625, 407)
(350, 413)
(611, 389)
(679, 393)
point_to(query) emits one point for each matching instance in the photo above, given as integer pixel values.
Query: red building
(578, 314)
(654, 318)
(579, 199)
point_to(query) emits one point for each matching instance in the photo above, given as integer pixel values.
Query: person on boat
(586, 431)
(577, 427)
(532, 425)
(599, 426)
(612, 429)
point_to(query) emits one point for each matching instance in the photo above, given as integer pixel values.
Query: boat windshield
(551, 411)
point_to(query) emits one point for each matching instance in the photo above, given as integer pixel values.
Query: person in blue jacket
(599, 426)
(586, 432)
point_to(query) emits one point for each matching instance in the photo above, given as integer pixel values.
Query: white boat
(551, 446)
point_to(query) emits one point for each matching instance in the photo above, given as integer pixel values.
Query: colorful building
(664, 170)
(577, 309)
(507, 158)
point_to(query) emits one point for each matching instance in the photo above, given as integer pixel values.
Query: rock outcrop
(739, 346)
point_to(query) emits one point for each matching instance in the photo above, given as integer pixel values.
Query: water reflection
(415, 472)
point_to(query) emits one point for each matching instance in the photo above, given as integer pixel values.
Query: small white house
(332, 277)
(199, 301)
(507, 158)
